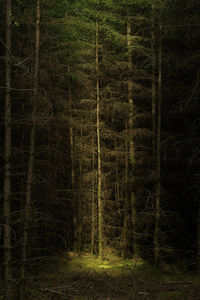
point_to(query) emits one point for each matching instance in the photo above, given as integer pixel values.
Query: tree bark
(72, 172)
(30, 173)
(7, 166)
(198, 242)
(158, 186)
(131, 143)
(125, 223)
(79, 202)
(99, 189)
(154, 126)
(93, 195)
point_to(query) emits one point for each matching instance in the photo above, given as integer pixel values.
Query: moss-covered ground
(87, 277)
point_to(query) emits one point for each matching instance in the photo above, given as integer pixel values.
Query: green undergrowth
(112, 264)
(86, 276)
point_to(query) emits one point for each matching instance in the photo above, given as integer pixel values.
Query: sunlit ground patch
(115, 265)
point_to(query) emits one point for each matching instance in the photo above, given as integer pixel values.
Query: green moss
(111, 262)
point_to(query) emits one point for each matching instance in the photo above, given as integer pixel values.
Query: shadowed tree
(7, 157)
(99, 188)
(30, 174)
(158, 147)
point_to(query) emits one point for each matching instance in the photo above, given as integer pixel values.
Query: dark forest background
(99, 132)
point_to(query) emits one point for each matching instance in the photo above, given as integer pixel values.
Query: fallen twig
(50, 290)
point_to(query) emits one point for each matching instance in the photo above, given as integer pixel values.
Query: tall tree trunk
(99, 189)
(7, 176)
(117, 184)
(79, 202)
(72, 172)
(31, 155)
(131, 143)
(93, 227)
(158, 186)
(198, 242)
(125, 223)
(153, 52)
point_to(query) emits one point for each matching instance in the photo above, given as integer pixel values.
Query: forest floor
(89, 278)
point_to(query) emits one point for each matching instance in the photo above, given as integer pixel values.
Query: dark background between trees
(114, 107)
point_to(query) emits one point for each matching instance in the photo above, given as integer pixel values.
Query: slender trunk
(72, 173)
(77, 197)
(125, 224)
(131, 143)
(117, 188)
(79, 203)
(158, 186)
(198, 242)
(118, 193)
(130, 99)
(31, 156)
(93, 194)
(117, 184)
(154, 127)
(7, 178)
(99, 191)
(71, 142)
(118, 196)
